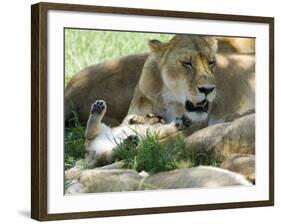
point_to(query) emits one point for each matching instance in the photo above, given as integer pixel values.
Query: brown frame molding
(39, 110)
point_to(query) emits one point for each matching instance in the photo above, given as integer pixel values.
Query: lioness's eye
(212, 63)
(186, 64)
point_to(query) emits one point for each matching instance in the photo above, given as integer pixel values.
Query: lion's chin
(197, 117)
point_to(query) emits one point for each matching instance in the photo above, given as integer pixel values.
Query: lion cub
(101, 140)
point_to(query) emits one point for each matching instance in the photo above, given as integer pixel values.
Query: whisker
(218, 98)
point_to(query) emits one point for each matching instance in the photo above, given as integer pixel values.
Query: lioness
(180, 78)
(177, 79)
(231, 75)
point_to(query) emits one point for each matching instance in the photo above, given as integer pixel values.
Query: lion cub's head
(187, 64)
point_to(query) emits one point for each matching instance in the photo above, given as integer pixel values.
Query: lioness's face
(187, 67)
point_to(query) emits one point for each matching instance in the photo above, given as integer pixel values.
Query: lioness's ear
(156, 45)
(212, 41)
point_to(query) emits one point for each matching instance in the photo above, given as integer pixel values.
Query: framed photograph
(138, 111)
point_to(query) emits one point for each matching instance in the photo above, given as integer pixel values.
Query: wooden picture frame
(39, 109)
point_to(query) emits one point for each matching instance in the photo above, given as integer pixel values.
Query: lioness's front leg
(140, 111)
(181, 123)
(173, 111)
(138, 119)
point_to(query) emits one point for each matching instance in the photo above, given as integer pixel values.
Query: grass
(152, 156)
(149, 155)
(74, 139)
(88, 47)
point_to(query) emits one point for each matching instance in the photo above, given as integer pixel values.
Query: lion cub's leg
(97, 145)
(94, 124)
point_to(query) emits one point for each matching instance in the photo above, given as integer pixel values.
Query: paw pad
(98, 107)
(132, 139)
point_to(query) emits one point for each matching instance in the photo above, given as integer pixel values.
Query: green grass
(152, 156)
(74, 143)
(88, 47)
(149, 155)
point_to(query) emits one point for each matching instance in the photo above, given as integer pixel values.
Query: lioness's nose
(205, 89)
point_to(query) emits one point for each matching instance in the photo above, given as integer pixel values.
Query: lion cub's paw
(182, 123)
(153, 119)
(133, 140)
(136, 119)
(98, 107)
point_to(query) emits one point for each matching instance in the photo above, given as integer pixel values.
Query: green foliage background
(88, 47)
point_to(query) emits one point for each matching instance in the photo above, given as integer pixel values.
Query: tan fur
(236, 45)
(114, 180)
(113, 81)
(241, 163)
